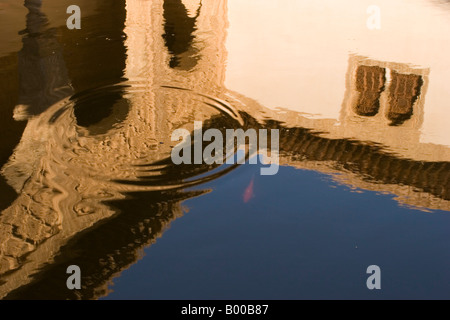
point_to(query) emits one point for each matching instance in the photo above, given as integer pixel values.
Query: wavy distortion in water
(93, 172)
(88, 173)
(67, 169)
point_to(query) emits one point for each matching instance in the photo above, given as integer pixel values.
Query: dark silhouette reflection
(370, 84)
(42, 71)
(179, 34)
(403, 93)
(104, 252)
(369, 162)
(43, 80)
(99, 111)
(95, 55)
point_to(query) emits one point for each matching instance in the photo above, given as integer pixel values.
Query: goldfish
(248, 193)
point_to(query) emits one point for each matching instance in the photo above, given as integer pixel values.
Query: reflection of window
(386, 92)
(403, 92)
(369, 83)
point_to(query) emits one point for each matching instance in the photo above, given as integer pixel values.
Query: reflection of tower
(63, 169)
(43, 81)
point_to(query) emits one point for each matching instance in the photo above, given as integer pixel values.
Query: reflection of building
(359, 164)
(381, 107)
(43, 75)
(403, 91)
(390, 93)
(278, 59)
(65, 169)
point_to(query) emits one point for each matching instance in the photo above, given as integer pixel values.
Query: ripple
(119, 136)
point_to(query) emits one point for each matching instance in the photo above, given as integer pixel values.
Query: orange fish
(248, 193)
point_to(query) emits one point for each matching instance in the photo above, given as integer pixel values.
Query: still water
(358, 95)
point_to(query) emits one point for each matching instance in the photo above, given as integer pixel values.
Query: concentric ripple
(119, 136)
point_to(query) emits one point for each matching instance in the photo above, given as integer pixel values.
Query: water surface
(87, 177)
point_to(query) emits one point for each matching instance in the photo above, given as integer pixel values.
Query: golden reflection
(403, 89)
(67, 167)
(95, 193)
(369, 84)
(403, 93)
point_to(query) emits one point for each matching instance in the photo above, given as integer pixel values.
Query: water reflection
(403, 91)
(369, 83)
(179, 35)
(93, 172)
(94, 148)
(111, 248)
(99, 111)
